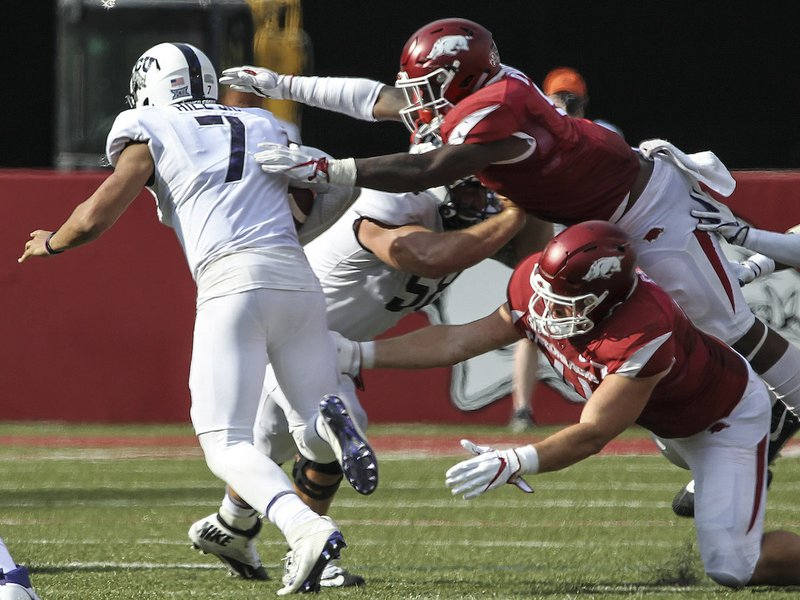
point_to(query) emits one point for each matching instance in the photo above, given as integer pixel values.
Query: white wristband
(367, 354)
(342, 171)
(761, 265)
(528, 459)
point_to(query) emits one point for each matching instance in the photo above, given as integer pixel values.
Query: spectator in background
(15, 584)
(567, 89)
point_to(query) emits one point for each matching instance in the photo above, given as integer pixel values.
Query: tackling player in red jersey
(625, 346)
(493, 122)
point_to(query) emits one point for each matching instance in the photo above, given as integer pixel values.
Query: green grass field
(97, 523)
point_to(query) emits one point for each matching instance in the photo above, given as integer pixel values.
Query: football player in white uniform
(258, 301)
(15, 583)
(387, 256)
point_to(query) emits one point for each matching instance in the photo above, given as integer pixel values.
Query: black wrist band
(47, 245)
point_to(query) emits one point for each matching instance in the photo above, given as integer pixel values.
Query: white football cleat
(314, 544)
(234, 547)
(336, 576)
(16, 585)
(333, 575)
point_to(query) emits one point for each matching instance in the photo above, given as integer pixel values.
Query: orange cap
(564, 79)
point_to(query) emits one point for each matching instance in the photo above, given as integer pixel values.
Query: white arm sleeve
(354, 97)
(781, 247)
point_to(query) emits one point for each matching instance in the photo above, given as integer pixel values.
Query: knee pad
(310, 488)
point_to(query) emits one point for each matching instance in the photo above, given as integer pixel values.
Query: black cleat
(683, 502)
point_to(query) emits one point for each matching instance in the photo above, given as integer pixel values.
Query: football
(301, 200)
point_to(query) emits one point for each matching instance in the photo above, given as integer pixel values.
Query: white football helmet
(170, 73)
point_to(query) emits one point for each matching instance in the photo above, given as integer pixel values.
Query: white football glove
(303, 165)
(754, 267)
(348, 354)
(257, 80)
(489, 469)
(721, 220)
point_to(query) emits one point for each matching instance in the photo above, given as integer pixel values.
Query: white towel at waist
(703, 166)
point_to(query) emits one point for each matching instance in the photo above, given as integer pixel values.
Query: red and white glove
(305, 165)
(257, 80)
(490, 469)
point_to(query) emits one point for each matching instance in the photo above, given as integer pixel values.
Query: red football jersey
(643, 336)
(578, 171)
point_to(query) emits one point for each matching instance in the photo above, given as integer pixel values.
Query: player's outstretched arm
(443, 345)
(417, 250)
(355, 97)
(612, 408)
(101, 210)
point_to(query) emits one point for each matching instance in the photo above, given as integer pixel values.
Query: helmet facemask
(466, 203)
(556, 316)
(425, 97)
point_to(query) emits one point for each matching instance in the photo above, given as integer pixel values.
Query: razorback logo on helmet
(449, 45)
(603, 268)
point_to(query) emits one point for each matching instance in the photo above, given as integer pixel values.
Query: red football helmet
(583, 273)
(441, 64)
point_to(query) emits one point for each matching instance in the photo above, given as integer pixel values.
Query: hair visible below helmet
(441, 64)
(170, 73)
(582, 274)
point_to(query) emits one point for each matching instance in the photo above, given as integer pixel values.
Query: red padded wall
(103, 333)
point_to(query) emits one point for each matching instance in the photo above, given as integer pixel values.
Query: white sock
(236, 515)
(6, 562)
(288, 511)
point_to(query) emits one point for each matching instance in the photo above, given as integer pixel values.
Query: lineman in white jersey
(258, 299)
(387, 256)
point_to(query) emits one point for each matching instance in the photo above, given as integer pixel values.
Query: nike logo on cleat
(214, 535)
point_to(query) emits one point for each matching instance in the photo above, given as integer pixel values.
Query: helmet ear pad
(172, 72)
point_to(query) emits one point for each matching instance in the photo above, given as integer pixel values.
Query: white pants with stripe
(687, 263)
(728, 463)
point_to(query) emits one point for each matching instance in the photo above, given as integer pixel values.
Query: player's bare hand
(36, 245)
